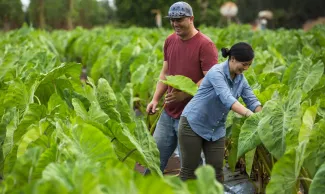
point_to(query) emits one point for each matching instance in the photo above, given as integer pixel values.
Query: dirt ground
(235, 182)
(173, 166)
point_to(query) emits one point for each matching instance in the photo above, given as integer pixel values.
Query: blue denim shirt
(208, 109)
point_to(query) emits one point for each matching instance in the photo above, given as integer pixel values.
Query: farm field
(72, 110)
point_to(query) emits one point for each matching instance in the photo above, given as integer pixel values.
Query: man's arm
(199, 82)
(161, 88)
(178, 96)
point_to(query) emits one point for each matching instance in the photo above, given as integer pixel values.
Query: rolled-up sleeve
(217, 79)
(249, 97)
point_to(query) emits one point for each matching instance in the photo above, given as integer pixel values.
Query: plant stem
(262, 156)
(153, 126)
(305, 179)
(39, 102)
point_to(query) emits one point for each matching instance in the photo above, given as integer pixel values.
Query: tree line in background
(66, 14)
(55, 14)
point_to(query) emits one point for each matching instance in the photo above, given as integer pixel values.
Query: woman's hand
(248, 113)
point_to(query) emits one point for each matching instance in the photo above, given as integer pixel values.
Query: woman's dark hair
(241, 51)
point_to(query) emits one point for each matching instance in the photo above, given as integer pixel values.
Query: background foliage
(67, 14)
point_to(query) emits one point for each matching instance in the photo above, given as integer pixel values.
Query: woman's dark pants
(191, 145)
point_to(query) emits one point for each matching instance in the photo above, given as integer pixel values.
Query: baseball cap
(179, 10)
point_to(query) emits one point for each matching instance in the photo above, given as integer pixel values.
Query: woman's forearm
(240, 109)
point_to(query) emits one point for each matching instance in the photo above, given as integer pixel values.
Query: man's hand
(176, 96)
(151, 108)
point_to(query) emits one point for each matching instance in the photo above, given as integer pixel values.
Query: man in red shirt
(187, 52)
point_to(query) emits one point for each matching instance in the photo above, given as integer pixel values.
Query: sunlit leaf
(182, 83)
(307, 123)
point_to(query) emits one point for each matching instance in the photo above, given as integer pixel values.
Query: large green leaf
(235, 130)
(206, 181)
(33, 114)
(90, 143)
(7, 64)
(59, 173)
(308, 75)
(103, 63)
(110, 184)
(68, 95)
(57, 86)
(8, 143)
(9, 161)
(139, 147)
(154, 184)
(275, 53)
(318, 184)
(279, 117)
(128, 95)
(57, 107)
(179, 186)
(45, 186)
(17, 95)
(148, 147)
(124, 109)
(80, 176)
(267, 79)
(107, 99)
(33, 133)
(94, 114)
(315, 151)
(267, 94)
(286, 171)
(248, 137)
(70, 69)
(249, 160)
(289, 74)
(141, 59)
(23, 169)
(307, 123)
(182, 83)
(139, 74)
(47, 157)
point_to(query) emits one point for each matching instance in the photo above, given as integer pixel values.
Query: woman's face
(239, 67)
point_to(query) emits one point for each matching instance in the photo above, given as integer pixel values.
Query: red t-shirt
(188, 58)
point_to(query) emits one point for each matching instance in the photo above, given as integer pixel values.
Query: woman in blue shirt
(202, 124)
